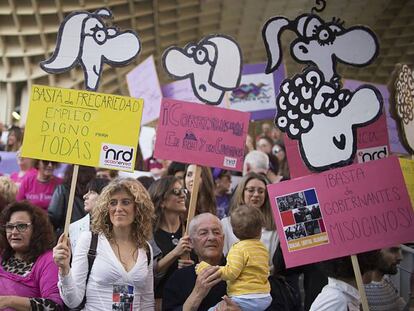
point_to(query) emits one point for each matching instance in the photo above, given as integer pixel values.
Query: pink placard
(143, 83)
(395, 143)
(372, 141)
(201, 134)
(342, 212)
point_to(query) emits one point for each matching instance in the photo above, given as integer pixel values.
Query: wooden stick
(71, 198)
(194, 196)
(360, 284)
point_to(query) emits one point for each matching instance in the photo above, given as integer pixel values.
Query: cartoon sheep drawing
(213, 65)
(312, 107)
(84, 39)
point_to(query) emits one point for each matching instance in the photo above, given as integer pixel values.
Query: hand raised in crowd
(227, 305)
(61, 255)
(182, 247)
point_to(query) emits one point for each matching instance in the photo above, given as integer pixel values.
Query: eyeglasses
(179, 192)
(252, 190)
(19, 227)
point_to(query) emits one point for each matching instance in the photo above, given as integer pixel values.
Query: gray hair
(194, 223)
(256, 161)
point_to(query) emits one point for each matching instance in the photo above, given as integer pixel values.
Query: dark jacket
(58, 207)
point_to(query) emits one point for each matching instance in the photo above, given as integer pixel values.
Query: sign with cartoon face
(85, 40)
(213, 65)
(402, 103)
(373, 140)
(342, 212)
(312, 107)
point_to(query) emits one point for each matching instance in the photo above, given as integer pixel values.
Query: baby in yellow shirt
(247, 268)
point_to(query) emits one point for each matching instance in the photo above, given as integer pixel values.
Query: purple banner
(257, 92)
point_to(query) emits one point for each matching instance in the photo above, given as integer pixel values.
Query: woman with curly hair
(28, 275)
(122, 274)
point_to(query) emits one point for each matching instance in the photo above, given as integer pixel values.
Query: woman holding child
(122, 274)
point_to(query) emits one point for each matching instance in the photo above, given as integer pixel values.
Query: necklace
(125, 265)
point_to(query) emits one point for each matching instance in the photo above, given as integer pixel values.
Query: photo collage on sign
(302, 219)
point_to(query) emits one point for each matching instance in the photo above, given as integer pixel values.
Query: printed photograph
(291, 201)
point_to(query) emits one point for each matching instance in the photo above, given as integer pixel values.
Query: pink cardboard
(143, 83)
(201, 134)
(372, 141)
(395, 143)
(342, 212)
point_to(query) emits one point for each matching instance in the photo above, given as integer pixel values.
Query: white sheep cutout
(311, 106)
(213, 65)
(84, 39)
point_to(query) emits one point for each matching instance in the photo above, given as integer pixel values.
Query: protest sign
(82, 127)
(257, 92)
(201, 134)
(407, 168)
(8, 163)
(394, 141)
(143, 83)
(342, 212)
(213, 66)
(180, 90)
(371, 140)
(402, 104)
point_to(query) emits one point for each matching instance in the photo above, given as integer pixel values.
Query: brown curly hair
(144, 210)
(42, 238)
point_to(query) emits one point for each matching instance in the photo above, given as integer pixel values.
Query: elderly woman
(28, 275)
(252, 191)
(122, 274)
(38, 188)
(168, 196)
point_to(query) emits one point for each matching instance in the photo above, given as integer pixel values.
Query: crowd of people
(137, 252)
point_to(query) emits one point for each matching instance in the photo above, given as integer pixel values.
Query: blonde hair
(8, 189)
(144, 210)
(238, 199)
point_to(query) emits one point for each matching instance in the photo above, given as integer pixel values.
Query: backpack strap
(148, 252)
(91, 259)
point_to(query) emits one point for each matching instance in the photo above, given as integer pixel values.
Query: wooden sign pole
(360, 284)
(194, 196)
(71, 199)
